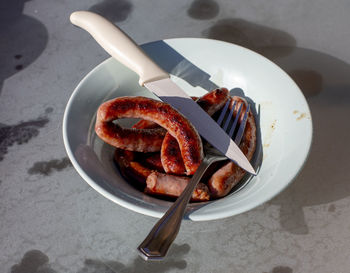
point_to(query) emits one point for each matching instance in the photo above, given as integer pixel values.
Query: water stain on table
(19, 67)
(113, 10)
(203, 9)
(19, 51)
(251, 35)
(47, 167)
(331, 208)
(19, 133)
(282, 269)
(33, 261)
(48, 110)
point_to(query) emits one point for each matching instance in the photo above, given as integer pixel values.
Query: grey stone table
(51, 221)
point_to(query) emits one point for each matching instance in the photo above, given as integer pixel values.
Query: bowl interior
(197, 65)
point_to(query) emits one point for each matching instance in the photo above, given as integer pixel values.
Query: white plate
(284, 121)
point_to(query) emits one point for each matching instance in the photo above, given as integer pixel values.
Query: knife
(125, 50)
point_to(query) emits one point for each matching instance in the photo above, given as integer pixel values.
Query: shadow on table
(325, 82)
(35, 261)
(114, 11)
(173, 62)
(22, 39)
(175, 261)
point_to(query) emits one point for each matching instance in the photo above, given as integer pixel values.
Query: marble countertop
(53, 222)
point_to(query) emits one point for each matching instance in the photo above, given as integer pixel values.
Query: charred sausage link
(147, 168)
(148, 140)
(129, 164)
(154, 182)
(152, 161)
(214, 100)
(224, 179)
(147, 124)
(170, 156)
(130, 169)
(173, 186)
(170, 153)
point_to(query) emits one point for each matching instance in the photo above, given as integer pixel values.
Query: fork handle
(156, 244)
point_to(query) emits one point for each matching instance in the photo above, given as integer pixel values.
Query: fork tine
(229, 118)
(234, 125)
(223, 112)
(240, 132)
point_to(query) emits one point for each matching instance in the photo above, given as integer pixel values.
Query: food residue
(269, 134)
(301, 115)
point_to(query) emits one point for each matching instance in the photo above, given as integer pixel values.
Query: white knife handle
(119, 45)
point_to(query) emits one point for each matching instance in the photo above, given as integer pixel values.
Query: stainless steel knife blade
(171, 93)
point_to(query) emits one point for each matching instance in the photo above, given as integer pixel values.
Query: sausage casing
(147, 140)
(225, 178)
(173, 186)
(170, 152)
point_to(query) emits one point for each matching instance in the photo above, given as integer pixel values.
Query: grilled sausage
(147, 124)
(214, 100)
(170, 156)
(152, 161)
(173, 186)
(146, 168)
(132, 171)
(224, 179)
(170, 153)
(146, 140)
(154, 182)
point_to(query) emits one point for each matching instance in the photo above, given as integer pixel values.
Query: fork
(156, 244)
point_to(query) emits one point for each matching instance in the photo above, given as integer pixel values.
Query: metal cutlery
(158, 241)
(155, 79)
